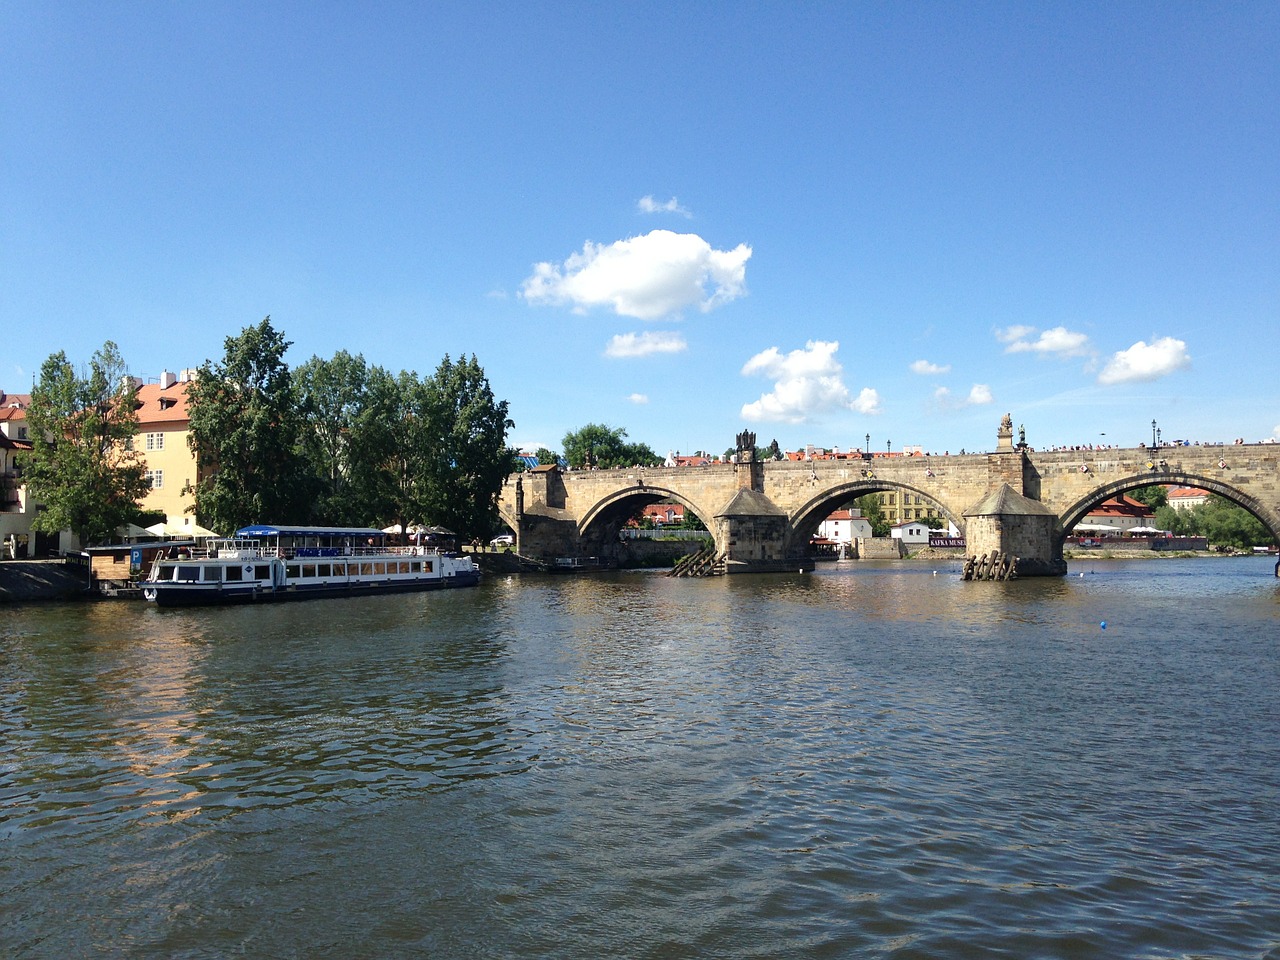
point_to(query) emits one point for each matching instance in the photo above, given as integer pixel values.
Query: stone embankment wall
(879, 548)
(42, 580)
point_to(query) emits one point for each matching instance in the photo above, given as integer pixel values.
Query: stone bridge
(762, 515)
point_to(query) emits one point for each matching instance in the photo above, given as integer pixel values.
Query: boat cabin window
(212, 573)
(324, 570)
(308, 570)
(234, 574)
(416, 566)
(294, 570)
(191, 574)
(262, 571)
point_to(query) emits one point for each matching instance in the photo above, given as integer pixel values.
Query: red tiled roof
(13, 406)
(157, 405)
(1122, 506)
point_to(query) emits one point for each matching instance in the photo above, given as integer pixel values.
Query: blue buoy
(1103, 624)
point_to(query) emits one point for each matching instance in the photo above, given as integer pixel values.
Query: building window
(155, 441)
(22, 433)
(156, 478)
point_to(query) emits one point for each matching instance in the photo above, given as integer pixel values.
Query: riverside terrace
(762, 515)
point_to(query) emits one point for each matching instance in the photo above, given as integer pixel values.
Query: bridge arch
(1077, 511)
(805, 519)
(617, 507)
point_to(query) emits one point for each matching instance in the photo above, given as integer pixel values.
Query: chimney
(167, 379)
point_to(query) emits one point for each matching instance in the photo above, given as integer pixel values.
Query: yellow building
(161, 441)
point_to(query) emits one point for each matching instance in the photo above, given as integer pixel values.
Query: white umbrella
(191, 529)
(414, 528)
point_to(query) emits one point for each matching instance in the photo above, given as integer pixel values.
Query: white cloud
(979, 395)
(647, 204)
(807, 383)
(927, 369)
(868, 401)
(647, 277)
(644, 344)
(1059, 341)
(1146, 362)
(639, 398)
(1014, 333)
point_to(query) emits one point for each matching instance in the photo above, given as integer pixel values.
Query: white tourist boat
(270, 563)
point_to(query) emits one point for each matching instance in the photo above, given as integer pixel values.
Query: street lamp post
(888, 446)
(1154, 442)
(868, 446)
(1159, 438)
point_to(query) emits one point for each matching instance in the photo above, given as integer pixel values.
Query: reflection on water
(873, 758)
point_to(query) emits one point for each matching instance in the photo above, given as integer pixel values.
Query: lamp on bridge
(888, 446)
(1154, 442)
(868, 446)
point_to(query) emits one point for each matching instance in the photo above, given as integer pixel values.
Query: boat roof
(268, 530)
(140, 545)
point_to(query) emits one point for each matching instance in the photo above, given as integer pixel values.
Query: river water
(869, 760)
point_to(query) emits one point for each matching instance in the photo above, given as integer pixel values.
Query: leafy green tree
(331, 395)
(246, 434)
(82, 469)
(1225, 524)
(546, 458)
(1171, 519)
(463, 449)
(869, 504)
(1154, 496)
(599, 445)
(388, 432)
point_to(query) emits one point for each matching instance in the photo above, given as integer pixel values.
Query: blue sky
(817, 221)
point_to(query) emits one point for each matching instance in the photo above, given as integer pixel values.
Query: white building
(912, 533)
(844, 526)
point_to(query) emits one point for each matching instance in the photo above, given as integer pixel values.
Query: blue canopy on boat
(267, 530)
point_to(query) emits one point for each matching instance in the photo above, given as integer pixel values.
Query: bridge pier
(1007, 523)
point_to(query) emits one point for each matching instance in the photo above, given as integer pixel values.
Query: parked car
(503, 540)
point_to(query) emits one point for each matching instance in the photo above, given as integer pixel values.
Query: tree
(1171, 519)
(1225, 524)
(869, 504)
(331, 396)
(246, 434)
(1154, 496)
(546, 458)
(385, 465)
(82, 469)
(598, 445)
(463, 448)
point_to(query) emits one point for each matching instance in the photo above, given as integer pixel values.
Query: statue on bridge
(747, 447)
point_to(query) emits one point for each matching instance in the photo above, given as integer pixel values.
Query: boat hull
(214, 594)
